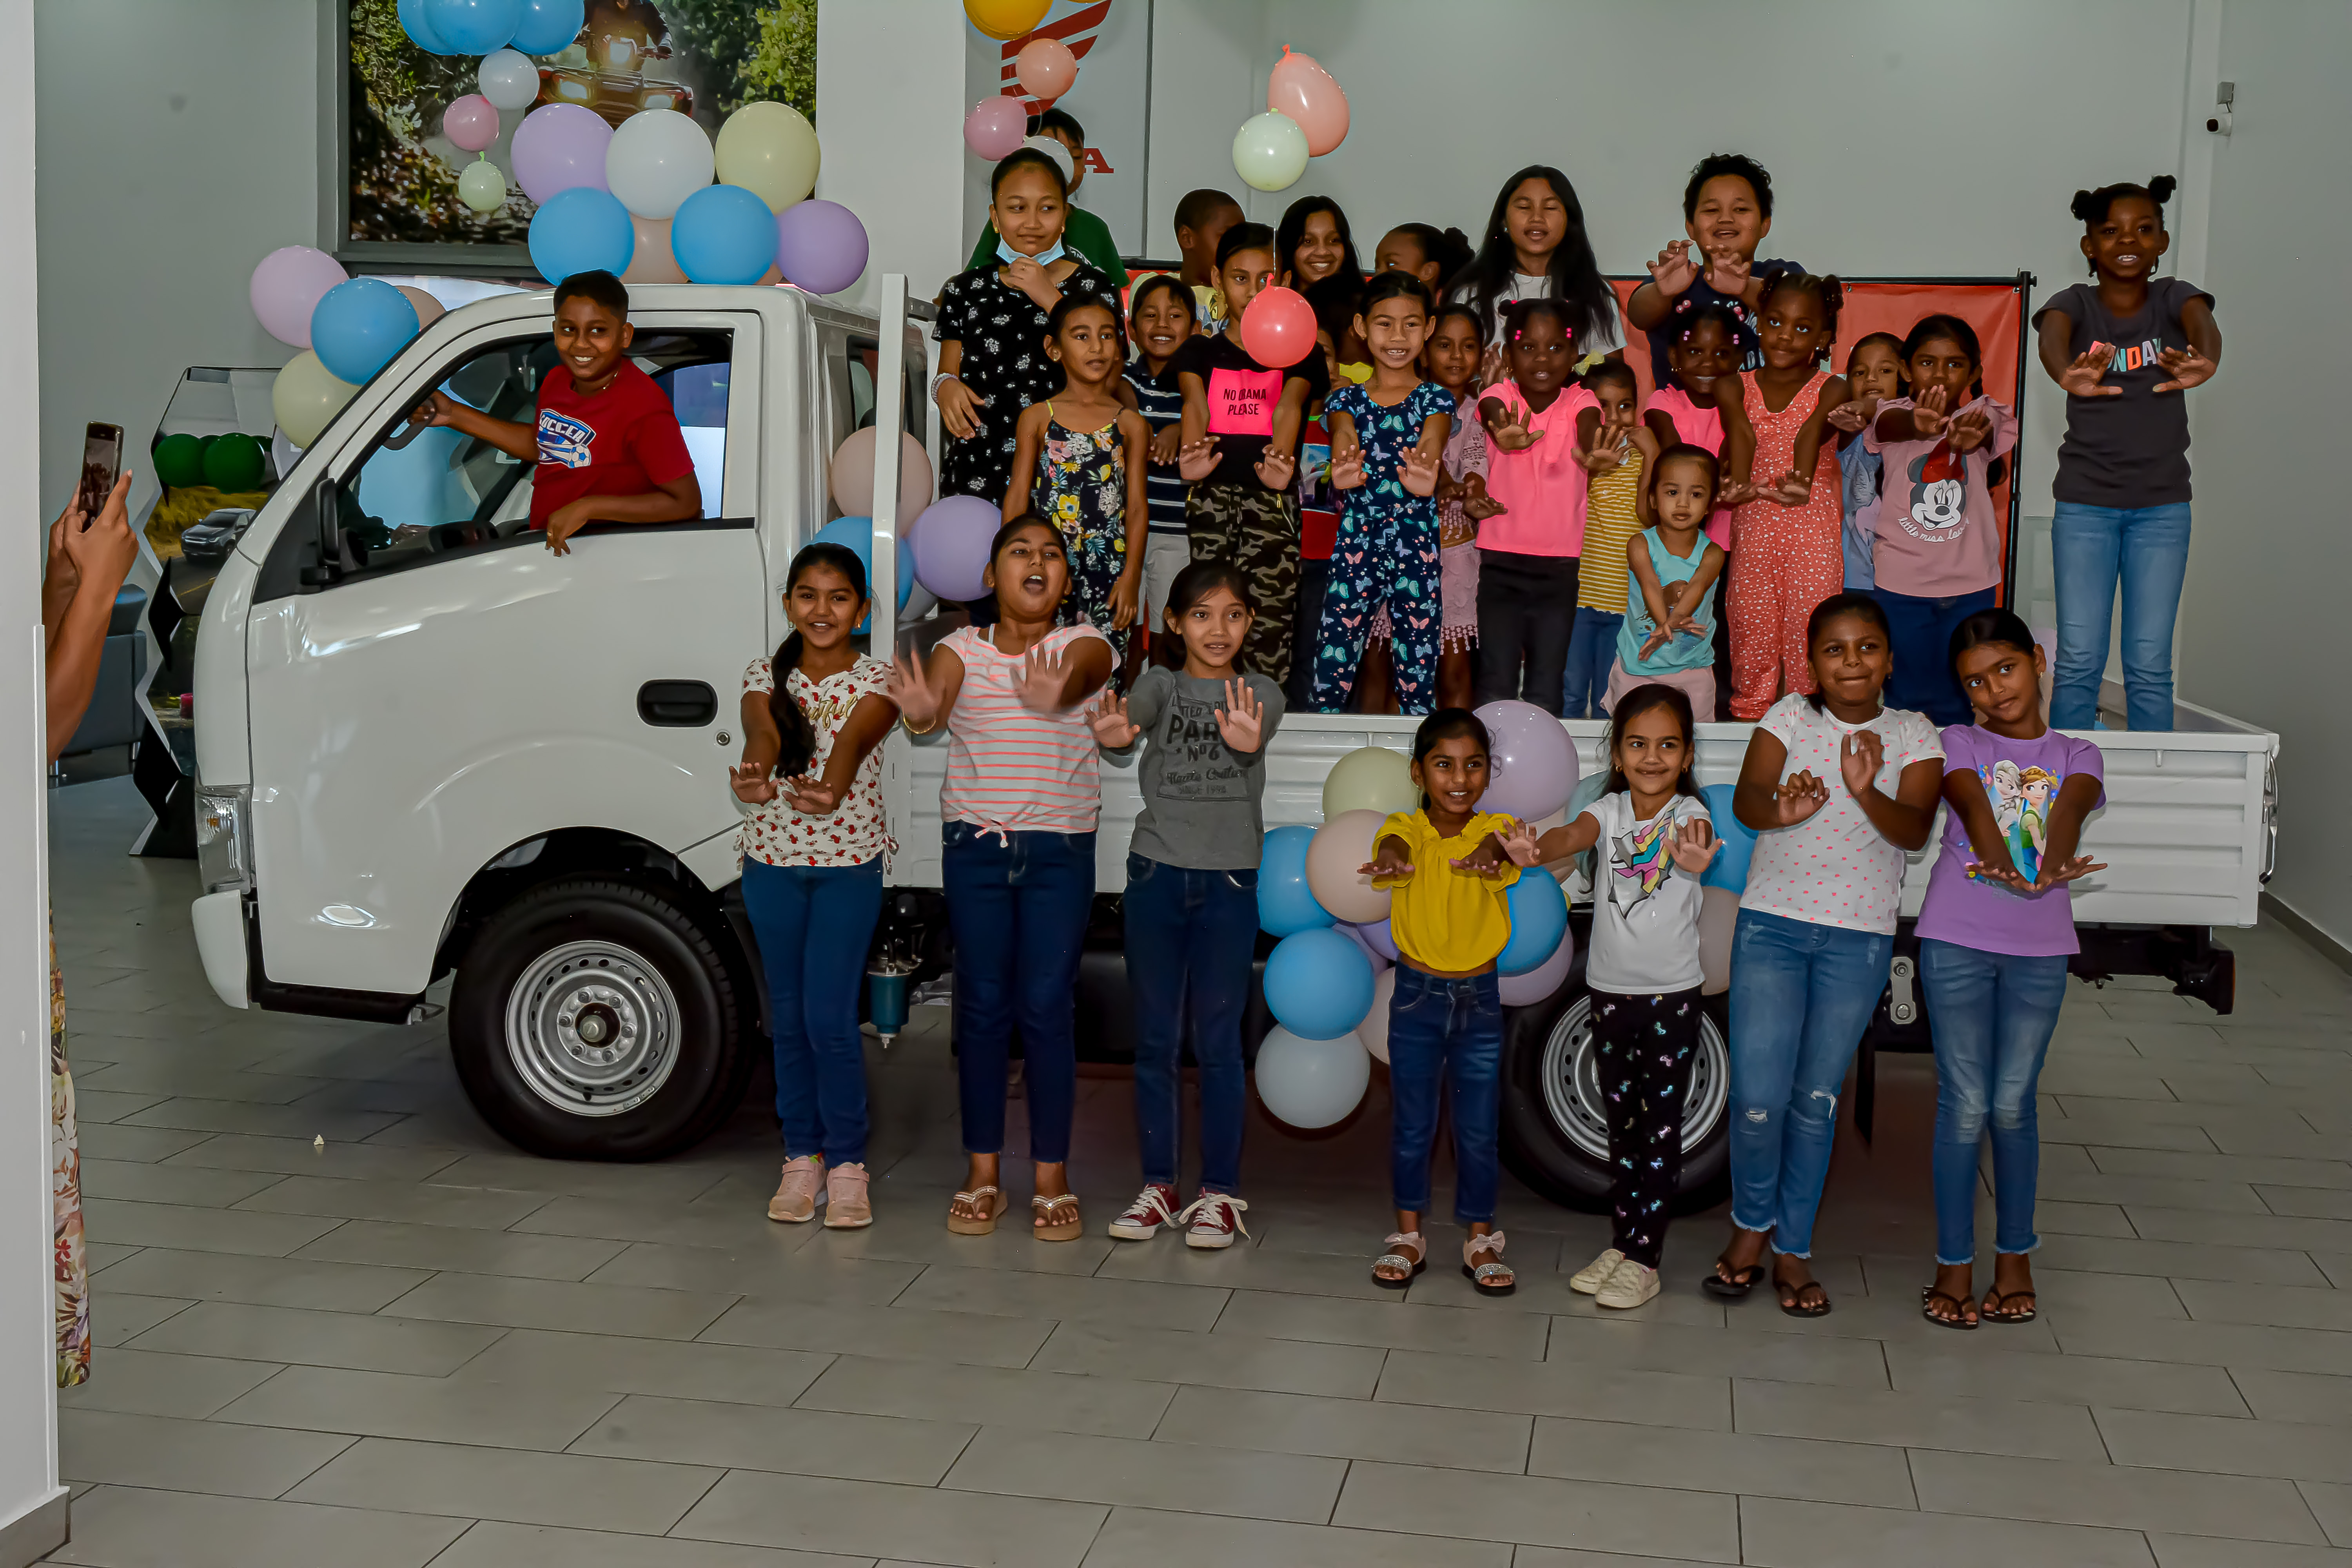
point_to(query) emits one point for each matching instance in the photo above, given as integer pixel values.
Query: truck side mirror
(325, 517)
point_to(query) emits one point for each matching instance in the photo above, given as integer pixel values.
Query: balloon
(508, 79)
(358, 326)
(951, 549)
(1541, 982)
(995, 126)
(1382, 940)
(1334, 863)
(1374, 1030)
(821, 245)
(917, 602)
(471, 123)
(769, 150)
(1270, 152)
(1046, 67)
(234, 463)
(1730, 868)
(1369, 778)
(656, 160)
(723, 234)
(1538, 920)
(288, 286)
(651, 262)
(428, 310)
(419, 29)
(473, 26)
(1318, 985)
(557, 147)
(483, 187)
(549, 26)
(856, 534)
(1308, 1083)
(304, 398)
(1053, 148)
(1718, 916)
(1532, 761)
(1285, 904)
(582, 230)
(1005, 19)
(1278, 328)
(853, 480)
(1355, 934)
(180, 461)
(1306, 92)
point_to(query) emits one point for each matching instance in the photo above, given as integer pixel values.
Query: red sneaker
(1154, 1206)
(1211, 1219)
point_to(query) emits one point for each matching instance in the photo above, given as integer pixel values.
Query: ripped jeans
(1802, 995)
(1992, 1015)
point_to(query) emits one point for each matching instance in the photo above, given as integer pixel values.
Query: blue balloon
(856, 534)
(1538, 920)
(419, 29)
(1730, 868)
(548, 25)
(473, 26)
(357, 325)
(723, 234)
(1318, 985)
(1285, 905)
(583, 229)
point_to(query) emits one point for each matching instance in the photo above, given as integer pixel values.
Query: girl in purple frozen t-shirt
(1995, 934)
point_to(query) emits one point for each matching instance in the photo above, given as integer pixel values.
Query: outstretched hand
(812, 796)
(1696, 844)
(1166, 442)
(1197, 462)
(1347, 466)
(1276, 469)
(2082, 377)
(1927, 412)
(1513, 435)
(1489, 859)
(1860, 756)
(2188, 369)
(1798, 797)
(1607, 453)
(1419, 472)
(1971, 430)
(1519, 843)
(1388, 863)
(2054, 872)
(1854, 414)
(910, 686)
(1728, 272)
(752, 784)
(1241, 723)
(1477, 504)
(1111, 723)
(1045, 676)
(1674, 271)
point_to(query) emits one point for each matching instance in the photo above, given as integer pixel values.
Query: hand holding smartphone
(101, 465)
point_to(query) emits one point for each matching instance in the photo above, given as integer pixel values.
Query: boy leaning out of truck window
(606, 440)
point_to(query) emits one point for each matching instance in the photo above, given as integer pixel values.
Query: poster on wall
(401, 168)
(1112, 42)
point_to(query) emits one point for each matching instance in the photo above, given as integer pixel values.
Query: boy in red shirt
(606, 439)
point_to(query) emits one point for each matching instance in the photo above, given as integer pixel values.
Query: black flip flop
(1734, 1289)
(1994, 1300)
(1929, 1296)
(1792, 1299)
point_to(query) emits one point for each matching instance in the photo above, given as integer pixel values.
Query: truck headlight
(224, 852)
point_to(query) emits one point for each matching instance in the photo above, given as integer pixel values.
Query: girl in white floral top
(810, 788)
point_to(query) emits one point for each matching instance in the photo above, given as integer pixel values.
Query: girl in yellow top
(1446, 866)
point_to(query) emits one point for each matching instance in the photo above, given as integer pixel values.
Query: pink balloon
(1304, 92)
(1278, 328)
(652, 262)
(429, 309)
(288, 286)
(471, 123)
(1533, 761)
(559, 146)
(1046, 67)
(1536, 984)
(995, 126)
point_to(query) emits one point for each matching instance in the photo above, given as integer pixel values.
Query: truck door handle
(678, 704)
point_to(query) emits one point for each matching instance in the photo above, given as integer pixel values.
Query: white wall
(890, 103)
(2261, 621)
(178, 145)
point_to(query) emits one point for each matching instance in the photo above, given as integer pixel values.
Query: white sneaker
(1588, 1280)
(1633, 1284)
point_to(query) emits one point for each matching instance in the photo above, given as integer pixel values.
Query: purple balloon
(820, 245)
(1361, 937)
(1532, 759)
(560, 147)
(951, 547)
(288, 286)
(1375, 936)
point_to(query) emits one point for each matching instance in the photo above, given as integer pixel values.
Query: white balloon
(508, 78)
(1537, 985)
(1312, 1083)
(920, 601)
(656, 160)
(1053, 148)
(1374, 1030)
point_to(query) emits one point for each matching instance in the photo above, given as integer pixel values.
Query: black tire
(651, 1057)
(1548, 1157)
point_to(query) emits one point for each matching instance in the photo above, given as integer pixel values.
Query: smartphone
(101, 465)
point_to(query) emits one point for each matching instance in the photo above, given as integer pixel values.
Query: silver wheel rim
(1571, 1083)
(592, 1028)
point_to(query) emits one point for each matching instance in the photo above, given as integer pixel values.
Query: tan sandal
(1491, 1277)
(987, 1200)
(1045, 1227)
(1408, 1263)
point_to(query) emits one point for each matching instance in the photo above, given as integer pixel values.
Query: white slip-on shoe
(1588, 1280)
(1631, 1285)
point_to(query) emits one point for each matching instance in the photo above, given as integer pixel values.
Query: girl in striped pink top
(1017, 813)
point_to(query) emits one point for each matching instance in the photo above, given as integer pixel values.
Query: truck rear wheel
(1555, 1123)
(597, 1020)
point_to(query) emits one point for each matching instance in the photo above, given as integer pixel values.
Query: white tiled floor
(415, 1345)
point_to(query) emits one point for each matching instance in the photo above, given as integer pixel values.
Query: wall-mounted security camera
(2224, 95)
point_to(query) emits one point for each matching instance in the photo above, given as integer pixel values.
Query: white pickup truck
(425, 748)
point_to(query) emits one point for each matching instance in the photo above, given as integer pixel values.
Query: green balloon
(180, 461)
(206, 442)
(234, 463)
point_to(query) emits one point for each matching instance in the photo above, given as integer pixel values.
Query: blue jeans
(1017, 907)
(1801, 995)
(813, 924)
(1591, 650)
(2090, 547)
(1450, 1030)
(1919, 632)
(1992, 1015)
(1190, 937)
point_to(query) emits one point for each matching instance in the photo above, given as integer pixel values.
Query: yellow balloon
(1369, 778)
(1005, 18)
(769, 150)
(305, 397)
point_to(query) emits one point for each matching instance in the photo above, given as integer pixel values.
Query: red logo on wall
(1077, 30)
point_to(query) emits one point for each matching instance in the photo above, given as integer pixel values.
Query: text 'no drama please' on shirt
(1242, 395)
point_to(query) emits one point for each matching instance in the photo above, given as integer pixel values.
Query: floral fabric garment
(1002, 331)
(71, 1265)
(1082, 486)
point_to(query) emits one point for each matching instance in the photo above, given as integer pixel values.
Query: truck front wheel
(594, 1019)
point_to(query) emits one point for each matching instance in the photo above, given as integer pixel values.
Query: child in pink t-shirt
(1527, 549)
